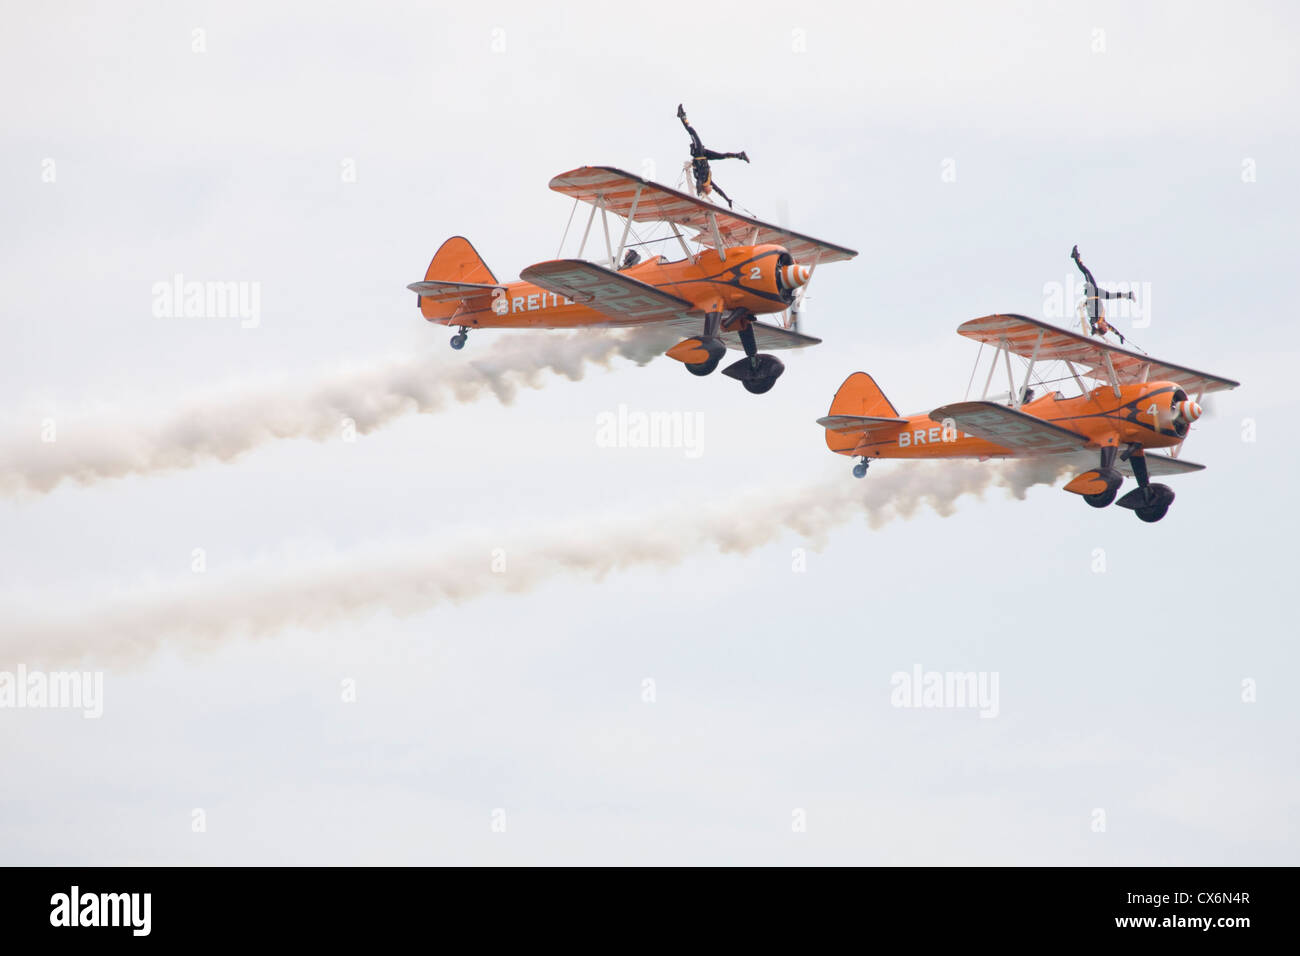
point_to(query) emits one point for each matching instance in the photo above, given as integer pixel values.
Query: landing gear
(458, 340)
(711, 344)
(1150, 502)
(758, 373)
(1108, 474)
(860, 469)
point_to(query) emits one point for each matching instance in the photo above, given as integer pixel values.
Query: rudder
(860, 395)
(455, 261)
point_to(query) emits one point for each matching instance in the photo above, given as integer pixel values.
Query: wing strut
(586, 232)
(560, 251)
(1077, 381)
(685, 249)
(627, 227)
(993, 367)
(1020, 397)
(717, 237)
(966, 397)
(1110, 370)
(604, 221)
(1011, 381)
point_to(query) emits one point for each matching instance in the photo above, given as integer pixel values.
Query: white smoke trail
(228, 425)
(412, 578)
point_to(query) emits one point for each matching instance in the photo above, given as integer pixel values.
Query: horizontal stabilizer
(438, 291)
(856, 423)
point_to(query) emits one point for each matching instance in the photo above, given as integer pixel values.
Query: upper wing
(644, 201)
(1021, 336)
(452, 291)
(626, 300)
(1013, 430)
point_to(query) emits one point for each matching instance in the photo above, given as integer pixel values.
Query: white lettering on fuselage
(930, 436)
(538, 300)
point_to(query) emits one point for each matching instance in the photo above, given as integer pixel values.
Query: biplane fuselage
(1139, 415)
(746, 279)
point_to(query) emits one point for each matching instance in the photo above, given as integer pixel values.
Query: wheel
(458, 341)
(1161, 497)
(758, 373)
(860, 470)
(704, 368)
(1153, 514)
(1103, 499)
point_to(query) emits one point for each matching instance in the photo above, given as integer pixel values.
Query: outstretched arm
(1112, 295)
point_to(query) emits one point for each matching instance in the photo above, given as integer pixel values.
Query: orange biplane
(1136, 403)
(741, 268)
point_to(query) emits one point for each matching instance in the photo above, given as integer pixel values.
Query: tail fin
(860, 417)
(455, 261)
(860, 395)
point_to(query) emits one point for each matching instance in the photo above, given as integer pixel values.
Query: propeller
(790, 319)
(1187, 412)
(1184, 412)
(794, 278)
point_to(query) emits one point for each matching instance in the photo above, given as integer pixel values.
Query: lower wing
(1014, 430)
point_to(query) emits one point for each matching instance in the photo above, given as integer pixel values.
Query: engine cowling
(1171, 412)
(772, 271)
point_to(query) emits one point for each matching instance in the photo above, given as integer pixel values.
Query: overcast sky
(323, 151)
